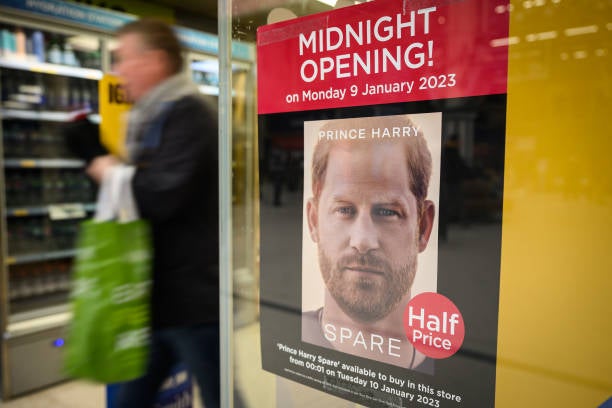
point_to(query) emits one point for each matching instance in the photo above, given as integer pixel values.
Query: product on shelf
(33, 45)
(8, 45)
(26, 90)
(39, 235)
(38, 279)
(38, 187)
(38, 45)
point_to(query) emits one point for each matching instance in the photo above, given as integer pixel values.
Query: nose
(364, 235)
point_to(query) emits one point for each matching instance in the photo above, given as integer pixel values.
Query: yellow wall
(555, 323)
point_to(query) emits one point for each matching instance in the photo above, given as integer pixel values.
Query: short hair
(157, 35)
(418, 157)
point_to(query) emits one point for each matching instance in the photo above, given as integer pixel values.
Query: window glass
(525, 206)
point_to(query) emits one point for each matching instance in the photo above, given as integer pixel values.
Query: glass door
(523, 217)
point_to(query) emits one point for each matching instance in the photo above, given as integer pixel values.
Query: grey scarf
(150, 106)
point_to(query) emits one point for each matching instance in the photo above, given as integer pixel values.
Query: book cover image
(369, 235)
(385, 123)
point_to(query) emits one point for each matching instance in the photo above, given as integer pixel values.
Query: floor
(263, 391)
(82, 394)
(70, 394)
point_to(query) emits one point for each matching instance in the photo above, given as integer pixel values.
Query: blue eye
(385, 212)
(346, 211)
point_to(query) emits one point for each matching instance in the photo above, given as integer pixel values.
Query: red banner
(384, 51)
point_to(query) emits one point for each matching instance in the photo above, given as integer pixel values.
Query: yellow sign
(114, 105)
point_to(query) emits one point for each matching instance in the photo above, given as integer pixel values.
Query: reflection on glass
(552, 177)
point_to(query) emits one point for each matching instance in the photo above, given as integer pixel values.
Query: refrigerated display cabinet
(53, 56)
(48, 74)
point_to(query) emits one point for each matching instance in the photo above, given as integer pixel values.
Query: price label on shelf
(66, 211)
(20, 212)
(27, 163)
(44, 69)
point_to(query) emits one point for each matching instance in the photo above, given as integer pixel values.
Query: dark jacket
(176, 190)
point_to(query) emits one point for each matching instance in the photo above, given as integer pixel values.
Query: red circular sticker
(434, 325)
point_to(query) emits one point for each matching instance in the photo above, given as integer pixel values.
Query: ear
(313, 220)
(426, 224)
(159, 55)
(160, 60)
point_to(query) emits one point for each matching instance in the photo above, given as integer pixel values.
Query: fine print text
(364, 382)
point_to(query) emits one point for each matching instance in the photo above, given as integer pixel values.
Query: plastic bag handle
(115, 196)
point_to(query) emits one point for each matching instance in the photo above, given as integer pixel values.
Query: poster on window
(381, 130)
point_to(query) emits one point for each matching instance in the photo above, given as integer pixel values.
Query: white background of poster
(313, 288)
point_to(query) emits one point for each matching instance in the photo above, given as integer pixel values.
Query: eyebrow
(383, 200)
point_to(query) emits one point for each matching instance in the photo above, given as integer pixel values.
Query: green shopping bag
(108, 336)
(109, 333)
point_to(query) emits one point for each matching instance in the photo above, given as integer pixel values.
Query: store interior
(50, 72)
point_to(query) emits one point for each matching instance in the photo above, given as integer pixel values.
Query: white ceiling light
(502, 42)
(570, 32)
(84, 43)
(331, 3)
(207, 65)
(546, 35)
(580, 54)
(280, 14)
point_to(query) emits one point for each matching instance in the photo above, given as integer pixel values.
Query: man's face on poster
(367, 227)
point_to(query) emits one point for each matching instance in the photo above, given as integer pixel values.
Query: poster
(360, 119)
(373, 155)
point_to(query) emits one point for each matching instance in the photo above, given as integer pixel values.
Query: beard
(367, 298)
